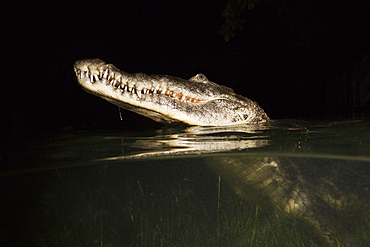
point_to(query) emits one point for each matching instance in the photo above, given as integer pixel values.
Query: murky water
(286, 183)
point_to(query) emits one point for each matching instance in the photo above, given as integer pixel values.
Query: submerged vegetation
(125, 211)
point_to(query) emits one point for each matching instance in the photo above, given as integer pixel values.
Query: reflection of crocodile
(196, 101)
(310, 189)
(200, 102)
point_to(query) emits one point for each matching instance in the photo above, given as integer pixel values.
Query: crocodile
(207, 105)
(168, 99)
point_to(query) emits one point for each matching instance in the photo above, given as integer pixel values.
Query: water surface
(286, 183)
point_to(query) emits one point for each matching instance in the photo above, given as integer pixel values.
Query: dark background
(286, 59)
(296, 58)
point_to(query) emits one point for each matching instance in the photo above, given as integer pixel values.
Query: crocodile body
(168, 99)
(198, 101)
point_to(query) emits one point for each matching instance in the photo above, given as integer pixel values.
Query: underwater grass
(248, 225)
(134, 215)
(236, 223)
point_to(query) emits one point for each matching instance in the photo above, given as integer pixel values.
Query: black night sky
(284, 58)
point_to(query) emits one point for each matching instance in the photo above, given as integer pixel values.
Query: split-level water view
(284, 183)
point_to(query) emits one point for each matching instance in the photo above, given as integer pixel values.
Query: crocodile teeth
(106, 74)
(141, 94)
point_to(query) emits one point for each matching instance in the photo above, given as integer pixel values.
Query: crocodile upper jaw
(167, 99)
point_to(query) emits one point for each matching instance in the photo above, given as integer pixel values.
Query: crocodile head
(168, 99)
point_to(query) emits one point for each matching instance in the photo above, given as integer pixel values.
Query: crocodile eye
(202, 78)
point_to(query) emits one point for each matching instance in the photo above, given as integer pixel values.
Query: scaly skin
(168, 99)
(198, 101)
